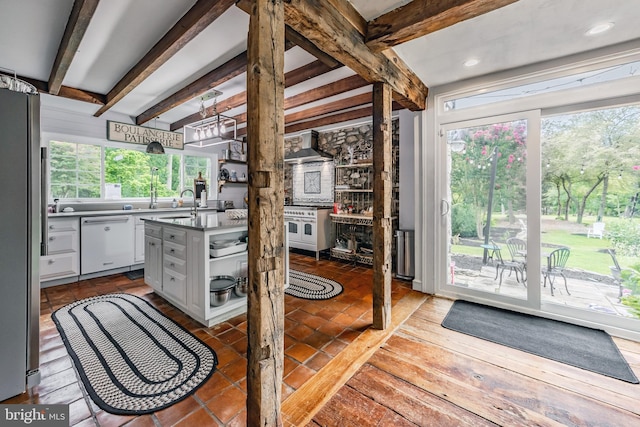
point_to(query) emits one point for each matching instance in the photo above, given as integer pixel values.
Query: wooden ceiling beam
(322, 92)
(226, 104)
(68, 92)
(199, 17)
(420, 18)
(291, 78)
(347, 10)
(306, 72)
(305, 44)
(335, 119)
(334, 34)
(230, 69)
(79, 19)
(329, 120)
(331, 107)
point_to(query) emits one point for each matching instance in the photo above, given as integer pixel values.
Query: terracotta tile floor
(315, 332)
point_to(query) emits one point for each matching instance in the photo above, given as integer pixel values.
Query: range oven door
(294, 230)
(308, 232)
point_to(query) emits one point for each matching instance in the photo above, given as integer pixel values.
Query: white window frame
(46, 137)
(609, 94)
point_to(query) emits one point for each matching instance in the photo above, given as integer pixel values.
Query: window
(582, 79)
(77, 171)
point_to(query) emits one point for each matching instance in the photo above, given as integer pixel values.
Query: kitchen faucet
(194, 209)
(153, 203)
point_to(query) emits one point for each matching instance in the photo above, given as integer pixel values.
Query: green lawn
(586, 254)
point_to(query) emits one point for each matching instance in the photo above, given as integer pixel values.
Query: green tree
(587, 149)
(471, 169)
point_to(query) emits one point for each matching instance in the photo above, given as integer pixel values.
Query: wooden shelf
(237, 162)
(354, 190)
(222, 183)
(355, 165)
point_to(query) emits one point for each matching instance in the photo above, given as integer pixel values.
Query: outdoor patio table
(492, 248)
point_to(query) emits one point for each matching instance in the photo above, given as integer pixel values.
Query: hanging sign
(133, 134)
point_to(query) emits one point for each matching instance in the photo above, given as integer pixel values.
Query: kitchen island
(179, 263)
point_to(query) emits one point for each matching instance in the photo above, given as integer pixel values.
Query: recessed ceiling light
(471, 62)
(599, 28)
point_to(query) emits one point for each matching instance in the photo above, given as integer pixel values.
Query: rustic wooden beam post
(381, 205)
(265, 113)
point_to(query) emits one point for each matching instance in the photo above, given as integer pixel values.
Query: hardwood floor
(339, 372)
(315, 332)
(426, 375)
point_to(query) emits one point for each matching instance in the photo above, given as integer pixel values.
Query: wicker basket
(236, 213)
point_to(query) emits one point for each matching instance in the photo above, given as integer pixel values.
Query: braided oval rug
(310, 286)
(132, 359)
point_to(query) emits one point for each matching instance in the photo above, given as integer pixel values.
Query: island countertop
(202, 222)
(178, 211)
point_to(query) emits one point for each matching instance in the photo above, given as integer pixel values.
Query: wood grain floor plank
(609, 390)
(349, 408)
(464, 395)
(300, 406)
(472, 376)
(428, 375)
(410, 402)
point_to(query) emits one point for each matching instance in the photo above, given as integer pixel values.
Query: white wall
(67, 118)
(407, 171)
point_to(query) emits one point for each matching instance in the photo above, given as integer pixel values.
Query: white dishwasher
(106, 242)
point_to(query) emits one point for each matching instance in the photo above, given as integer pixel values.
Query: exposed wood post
(265, 113)
(381, 205)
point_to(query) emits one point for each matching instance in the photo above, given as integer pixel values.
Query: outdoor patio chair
(522, 234)
(518, 249)
(596, 230)
(502, 265)
(616, 271)
(556, 262)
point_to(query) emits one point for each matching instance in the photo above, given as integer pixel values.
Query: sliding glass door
(541, 213)
(590, 190)
(490, 208)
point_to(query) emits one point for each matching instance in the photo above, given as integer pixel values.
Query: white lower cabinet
(174, 285)
(139, 243)
(62, 244)
(185, 267)
(153, 262)
(174, 260)
(165, 262)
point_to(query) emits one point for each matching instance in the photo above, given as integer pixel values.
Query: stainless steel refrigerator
(20, 241)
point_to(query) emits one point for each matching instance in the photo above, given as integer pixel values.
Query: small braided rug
(310, 286)
(132, 359)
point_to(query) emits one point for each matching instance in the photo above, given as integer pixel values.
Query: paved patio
(587, 293)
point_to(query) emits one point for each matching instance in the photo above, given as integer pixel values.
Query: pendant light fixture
(212, 130)
(154, 147)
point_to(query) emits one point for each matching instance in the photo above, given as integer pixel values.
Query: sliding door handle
(444, 207)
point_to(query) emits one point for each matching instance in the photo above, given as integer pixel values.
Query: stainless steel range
(308, 228)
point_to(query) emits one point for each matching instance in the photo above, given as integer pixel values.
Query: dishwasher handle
(105, 221)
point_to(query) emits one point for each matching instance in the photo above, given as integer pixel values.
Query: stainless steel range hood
(309, 151)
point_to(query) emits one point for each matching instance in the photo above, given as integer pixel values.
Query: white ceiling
(122, 31)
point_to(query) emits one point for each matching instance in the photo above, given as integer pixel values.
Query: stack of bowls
(220, 289)
(241, 287)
